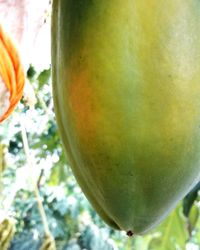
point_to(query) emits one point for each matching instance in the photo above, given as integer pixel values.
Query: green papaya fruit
(126, 86)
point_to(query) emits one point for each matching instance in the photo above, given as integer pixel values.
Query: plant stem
(31, 164)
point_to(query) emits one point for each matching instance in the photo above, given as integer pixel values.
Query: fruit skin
(126, 85)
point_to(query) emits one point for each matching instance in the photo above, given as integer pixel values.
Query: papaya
(126, 89)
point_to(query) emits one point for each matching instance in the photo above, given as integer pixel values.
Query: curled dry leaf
(22, 20)
(12, 76)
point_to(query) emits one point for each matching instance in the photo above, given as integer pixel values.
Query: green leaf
(190, 198)
(44, 77)
(31, 73)
(197, 235)
(193, 217)
(142, 243)
(172, 233)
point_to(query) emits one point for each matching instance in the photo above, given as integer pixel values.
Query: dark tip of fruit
(129, 233)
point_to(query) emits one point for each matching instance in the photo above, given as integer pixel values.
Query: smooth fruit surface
(126, 84)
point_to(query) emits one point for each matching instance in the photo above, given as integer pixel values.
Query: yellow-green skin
(126, 82)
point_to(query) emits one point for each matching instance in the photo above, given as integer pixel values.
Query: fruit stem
(31, 164)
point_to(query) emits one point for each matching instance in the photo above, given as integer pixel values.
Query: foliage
(72, 221)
